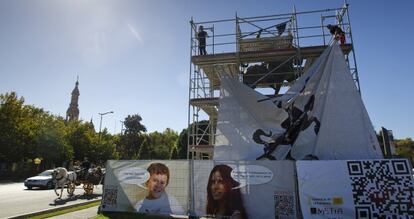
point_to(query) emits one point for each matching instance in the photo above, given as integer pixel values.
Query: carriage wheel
(88, 187)
(71, 188)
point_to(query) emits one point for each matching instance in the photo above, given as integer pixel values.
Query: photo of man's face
(156, 185)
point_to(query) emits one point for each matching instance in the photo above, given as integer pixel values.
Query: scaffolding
(265, 52)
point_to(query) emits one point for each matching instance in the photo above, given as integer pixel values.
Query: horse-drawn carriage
(86, 177)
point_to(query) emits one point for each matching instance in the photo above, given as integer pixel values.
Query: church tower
(73, 111)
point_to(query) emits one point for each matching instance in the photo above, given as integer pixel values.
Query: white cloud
(135, 33)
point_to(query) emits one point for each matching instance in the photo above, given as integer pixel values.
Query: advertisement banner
(243, 189)
(150, 187)
(356, 189)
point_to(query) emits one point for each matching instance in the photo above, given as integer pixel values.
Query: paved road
(17, 199)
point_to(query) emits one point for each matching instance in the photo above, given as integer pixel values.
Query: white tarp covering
(244, 189)
(240, 114)
(356, 189)
(321, 115)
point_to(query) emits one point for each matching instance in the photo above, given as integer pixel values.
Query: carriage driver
(86, 165)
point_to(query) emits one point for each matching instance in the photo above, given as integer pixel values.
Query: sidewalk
(82, 214)
(85, 213)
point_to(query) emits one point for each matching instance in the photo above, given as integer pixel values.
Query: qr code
(284, 205)
(110, 196)
(382, 188)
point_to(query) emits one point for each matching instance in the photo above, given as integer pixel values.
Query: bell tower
(73, 111)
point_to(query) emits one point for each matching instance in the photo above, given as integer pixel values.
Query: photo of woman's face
(156, 185)
(218, 189)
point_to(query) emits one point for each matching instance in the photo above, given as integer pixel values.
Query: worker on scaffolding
(337, 32)
(201, 36)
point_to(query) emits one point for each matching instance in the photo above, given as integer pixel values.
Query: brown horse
(89, 178)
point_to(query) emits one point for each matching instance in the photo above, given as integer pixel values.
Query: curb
(32, 214)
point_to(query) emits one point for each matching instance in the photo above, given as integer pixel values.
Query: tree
(51, 143)
(31, 124)
(81, 136)
(170, 138)
(174, 153)
(133, 124)
(20, 127)
(159, 145)
(130, 142)
(146, 151)
(86, 142)
(28, 132)
(182, 142)
(405, 148)
(12, 142)
(103, 149)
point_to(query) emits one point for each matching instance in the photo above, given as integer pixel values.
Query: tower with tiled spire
(73, 111)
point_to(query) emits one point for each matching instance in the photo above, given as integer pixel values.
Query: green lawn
(67, 210)
(110, 215)
(118, 215)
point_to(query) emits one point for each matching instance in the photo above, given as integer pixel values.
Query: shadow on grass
(74, 198)
(124, 215)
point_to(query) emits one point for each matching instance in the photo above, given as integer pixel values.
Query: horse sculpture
(276, 78)
(297, 122)
(61, 177)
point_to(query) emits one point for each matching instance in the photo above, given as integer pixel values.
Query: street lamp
(122, 125)
(100, 123)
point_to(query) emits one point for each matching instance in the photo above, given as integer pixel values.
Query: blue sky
(133, 56)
